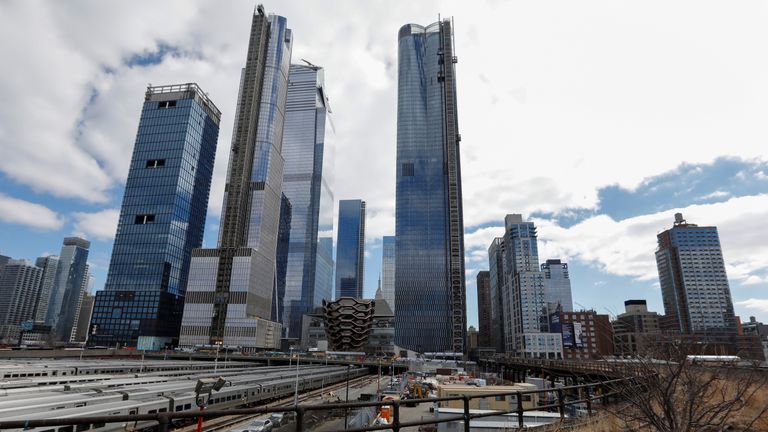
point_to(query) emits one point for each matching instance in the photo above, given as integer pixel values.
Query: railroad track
(229, 422)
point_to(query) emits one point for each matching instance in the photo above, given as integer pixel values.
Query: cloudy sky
(599, 120)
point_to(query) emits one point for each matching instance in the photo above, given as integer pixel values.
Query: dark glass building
(484, 308)
(350, 249)
(281, 257)
(161, 219)
(497, 293)
(232, 287)
(429, 230)
(307, 182)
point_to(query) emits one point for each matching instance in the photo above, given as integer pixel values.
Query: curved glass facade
(428, 316)
(305, 183)
(234, 306)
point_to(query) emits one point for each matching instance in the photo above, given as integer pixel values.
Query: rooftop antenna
(313, 66)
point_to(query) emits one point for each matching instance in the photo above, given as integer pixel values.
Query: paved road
(354, 393)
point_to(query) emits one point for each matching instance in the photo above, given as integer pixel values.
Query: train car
(110, 409)
(50, 380)
(713, 360)
(55, 404)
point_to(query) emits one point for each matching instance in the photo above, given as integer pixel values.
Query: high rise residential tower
(49, 265)
(500, 300)
(71, 279)
(162, 219)
(526, 313)
(19, 290)
(307, 183)
(557, 285)
(350, 249)
(484, 338)
(231, 289)
(429, 229)
(694, 286)
(388, 271)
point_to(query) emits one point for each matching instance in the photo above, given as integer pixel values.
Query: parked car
(283, 418)
(257, 426)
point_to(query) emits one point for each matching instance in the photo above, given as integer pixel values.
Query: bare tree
(672, 393)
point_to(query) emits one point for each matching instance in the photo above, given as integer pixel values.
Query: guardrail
(164, 420)
(582, 366)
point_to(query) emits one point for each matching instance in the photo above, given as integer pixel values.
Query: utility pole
(346, 410)
(296, 389)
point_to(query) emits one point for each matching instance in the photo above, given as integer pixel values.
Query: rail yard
(41, 389)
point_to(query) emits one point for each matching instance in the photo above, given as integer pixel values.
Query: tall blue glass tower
(161, 220)
(429, 231)
(232, 287)
(307, 184)
(350, 249)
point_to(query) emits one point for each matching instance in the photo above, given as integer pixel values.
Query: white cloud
(16, 211)
(715, 194)
(754, 303)
(101, 225)
(755, 280)
(626, 247)
(554, 102)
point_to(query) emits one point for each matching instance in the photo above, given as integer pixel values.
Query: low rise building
(758, 329)
(630, 325)
(585, 334)
(491, 402)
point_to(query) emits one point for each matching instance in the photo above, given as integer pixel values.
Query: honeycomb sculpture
(348, 323)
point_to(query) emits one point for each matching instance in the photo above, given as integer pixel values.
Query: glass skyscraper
(162, 219)
(429, 247)
(388, 271)
(500, 300)
(230, 295)
(694, 286)
(71, 279)
(49, 265)
(557, 285)
(483, 284)
(307, 182)
(350, 249)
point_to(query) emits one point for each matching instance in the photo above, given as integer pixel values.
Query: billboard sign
(568, 335)
(577, 335)
(554, 323)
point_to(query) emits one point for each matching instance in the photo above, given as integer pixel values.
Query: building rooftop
(184, 91)
(488, 389)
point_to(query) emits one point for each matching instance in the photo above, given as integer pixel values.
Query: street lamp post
(296, 388)
(346, 410)
(290, 357)
(216, 361)
(205, 387)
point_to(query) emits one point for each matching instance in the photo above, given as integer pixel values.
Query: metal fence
(581, 394)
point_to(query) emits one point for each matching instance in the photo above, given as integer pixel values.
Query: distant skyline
(596, 120)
